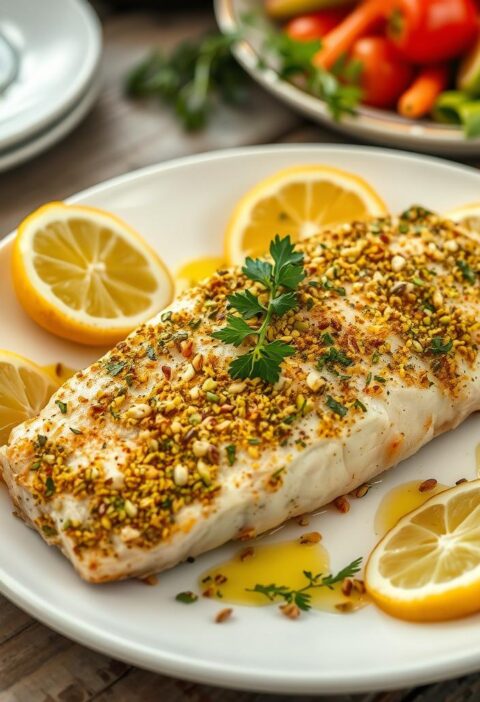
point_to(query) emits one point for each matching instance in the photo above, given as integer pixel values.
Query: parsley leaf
(235, 332)
(246, 303)
(280, 280)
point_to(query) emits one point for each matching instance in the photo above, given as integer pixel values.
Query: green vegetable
(454, 107)
(280, 279)
(468, 76)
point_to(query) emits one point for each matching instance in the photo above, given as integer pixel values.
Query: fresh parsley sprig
(280, 280)
(302, 597)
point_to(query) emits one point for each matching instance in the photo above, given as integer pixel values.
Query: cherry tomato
(316, 24)
(427, 31)
(385, 74)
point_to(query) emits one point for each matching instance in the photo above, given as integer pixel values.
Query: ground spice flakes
(383, 303)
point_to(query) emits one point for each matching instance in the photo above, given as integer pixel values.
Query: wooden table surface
(36, 663)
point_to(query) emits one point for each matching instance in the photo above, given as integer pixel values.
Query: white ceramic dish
(371, 125)
(181, 208)
(57, 44)
(56, 132)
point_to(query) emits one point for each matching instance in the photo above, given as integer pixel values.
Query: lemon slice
(24, 389)
(298, 201)
(83, 274)
(467, 215)
(427, 568)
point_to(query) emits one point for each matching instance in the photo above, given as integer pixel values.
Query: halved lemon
(83, 274)
(427, 568)
(25, 389)
(299, 201)
(466, 215)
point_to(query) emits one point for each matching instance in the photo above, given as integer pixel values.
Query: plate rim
(85, 76)
(367, 123)
(200, 670)
(55, 132)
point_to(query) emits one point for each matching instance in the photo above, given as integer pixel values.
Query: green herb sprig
(302, 597)
(192, 78)
(280, 280)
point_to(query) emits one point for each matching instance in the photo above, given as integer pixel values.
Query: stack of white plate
(49, 58)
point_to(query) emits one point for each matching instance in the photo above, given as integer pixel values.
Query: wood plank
(120, 135)
(12, 621)
(72, 674)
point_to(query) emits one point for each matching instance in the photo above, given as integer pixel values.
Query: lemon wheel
(466, 215)
(25, 389)
(298, 201)
(83, 274)
(427, 568)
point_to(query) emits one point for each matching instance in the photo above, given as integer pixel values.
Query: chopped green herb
(302, 597)
(151, 353)
(336, 406)
(186, 597)
(115, 367)
(439, 347)
(328, 339)
(41, 440)
(359, 405)
(36, 464)
(467, 272)
(254, 441)
(75, 431)
(418, 281)
(368, 380)
(375, 357)
(379, 379)
(328, 285)
(333, 356)
(49, 531)
(49, 487)
(62, 406)
(231, 450)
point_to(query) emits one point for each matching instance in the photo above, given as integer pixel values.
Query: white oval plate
(57, 45)
(369, 124)
(181, 208)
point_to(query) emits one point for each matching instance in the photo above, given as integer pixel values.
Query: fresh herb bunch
(280, 280)
(302, 598)
(200, 73)
(192, 78)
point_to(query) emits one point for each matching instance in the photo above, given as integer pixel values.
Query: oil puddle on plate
(248, 578)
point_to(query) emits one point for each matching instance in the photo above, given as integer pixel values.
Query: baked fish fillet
(154, 453)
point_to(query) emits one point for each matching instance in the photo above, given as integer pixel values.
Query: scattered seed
(290, 610)
(427, 485)
(246, 553)
(313, 537)
(223, 615)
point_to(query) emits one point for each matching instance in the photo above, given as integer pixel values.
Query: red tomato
(427, 31)
(316, 24)
(385, 74)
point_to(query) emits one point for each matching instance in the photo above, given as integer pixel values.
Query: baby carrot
(340, 39)
(420, 97)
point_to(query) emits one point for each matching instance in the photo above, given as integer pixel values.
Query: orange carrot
(355, 25)
(420, 97)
